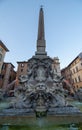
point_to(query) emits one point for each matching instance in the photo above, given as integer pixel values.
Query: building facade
(22, 68)
(73, 72)
(8, 75)
(3, 50)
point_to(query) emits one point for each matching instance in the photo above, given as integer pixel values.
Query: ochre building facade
(73, 72)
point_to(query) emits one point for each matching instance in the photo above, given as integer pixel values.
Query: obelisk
(41, 43)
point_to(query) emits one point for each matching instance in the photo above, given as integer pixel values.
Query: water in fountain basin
(42, 125)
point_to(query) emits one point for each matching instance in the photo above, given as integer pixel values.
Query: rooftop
(2, 44)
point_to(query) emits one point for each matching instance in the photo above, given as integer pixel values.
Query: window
(21, 70)
(22, 65)
(1, 49)
(76, 69)
(0, 57)
(70, 72)
(77, 86)
(75, 80)
(73, 71)
(0, 76)
(3, 67)
(10, 79)
(79, 79)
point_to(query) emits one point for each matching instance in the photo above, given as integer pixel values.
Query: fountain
(40, 92)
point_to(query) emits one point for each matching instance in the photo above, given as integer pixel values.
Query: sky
(63, 29)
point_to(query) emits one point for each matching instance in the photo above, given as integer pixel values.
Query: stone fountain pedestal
(39, 95)
(30, 119)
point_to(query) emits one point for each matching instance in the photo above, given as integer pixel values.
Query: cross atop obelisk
(41, 43)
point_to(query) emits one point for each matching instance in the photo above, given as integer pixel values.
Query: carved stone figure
(39, 87)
